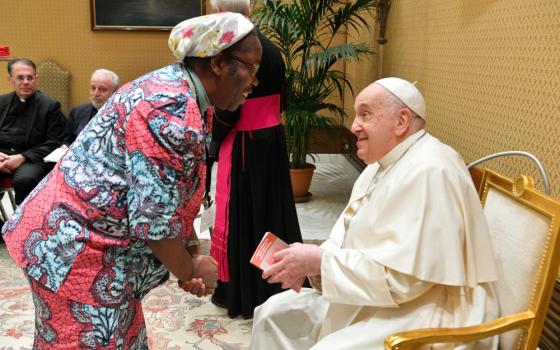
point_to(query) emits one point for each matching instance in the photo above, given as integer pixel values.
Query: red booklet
(270, 244)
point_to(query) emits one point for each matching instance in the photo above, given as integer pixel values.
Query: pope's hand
(293, 264)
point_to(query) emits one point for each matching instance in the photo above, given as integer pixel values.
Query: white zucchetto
(406, 92)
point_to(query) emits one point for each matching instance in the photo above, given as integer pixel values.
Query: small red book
(270, 244)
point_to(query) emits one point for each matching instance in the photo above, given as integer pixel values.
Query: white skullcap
(406, 92)
(207, 36)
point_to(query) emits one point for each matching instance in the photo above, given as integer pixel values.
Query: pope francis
(410, 250)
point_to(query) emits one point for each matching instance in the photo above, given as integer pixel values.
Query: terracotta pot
(301, 180)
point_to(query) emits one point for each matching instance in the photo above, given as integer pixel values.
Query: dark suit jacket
(45, 130)
(78, 118)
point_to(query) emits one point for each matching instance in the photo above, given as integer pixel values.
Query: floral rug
(175, 320)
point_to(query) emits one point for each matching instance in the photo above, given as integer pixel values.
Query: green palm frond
(324, 60)
(304, 31)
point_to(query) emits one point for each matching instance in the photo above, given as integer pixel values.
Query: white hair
(113, 75)
(237, 6)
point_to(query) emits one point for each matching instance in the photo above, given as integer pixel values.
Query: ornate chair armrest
(412, 339)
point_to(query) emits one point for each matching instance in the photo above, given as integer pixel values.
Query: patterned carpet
(175, 320)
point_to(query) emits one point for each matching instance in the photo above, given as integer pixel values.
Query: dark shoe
(218, 304)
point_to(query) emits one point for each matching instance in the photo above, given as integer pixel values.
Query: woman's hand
(194, 286)
(197, 274)
(206, 268)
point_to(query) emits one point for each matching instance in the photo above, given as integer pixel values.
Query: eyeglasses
(254, 68)
(24, 77)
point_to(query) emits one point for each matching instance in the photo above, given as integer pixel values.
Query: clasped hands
(8, 164)
(205, 276)
(292, 265)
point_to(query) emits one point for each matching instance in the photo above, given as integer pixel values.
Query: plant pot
(301, 180)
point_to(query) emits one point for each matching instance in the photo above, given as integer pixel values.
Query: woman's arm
(172, 253)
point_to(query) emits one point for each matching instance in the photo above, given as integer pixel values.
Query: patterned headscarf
(206, 36)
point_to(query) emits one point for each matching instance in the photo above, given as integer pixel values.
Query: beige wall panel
(490, 72)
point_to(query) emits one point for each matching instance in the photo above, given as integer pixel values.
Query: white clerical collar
(23, 100)
(397, 152)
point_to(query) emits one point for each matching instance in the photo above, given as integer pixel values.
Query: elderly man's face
(240, 74)
(24, 80)
(374, 124)
(101, 87)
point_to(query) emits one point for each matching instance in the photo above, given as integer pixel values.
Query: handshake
(205, 276)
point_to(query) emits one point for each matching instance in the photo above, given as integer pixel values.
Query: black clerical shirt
(14, 126)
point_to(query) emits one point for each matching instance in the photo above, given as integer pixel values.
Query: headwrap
(206, 36)
(407, 93)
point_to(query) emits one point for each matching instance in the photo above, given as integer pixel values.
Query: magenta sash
(256, 113)
(259, 113)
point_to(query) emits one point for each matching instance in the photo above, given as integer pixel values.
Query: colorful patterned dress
(135, 173)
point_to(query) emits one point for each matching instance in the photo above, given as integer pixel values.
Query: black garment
(260, 195)
(26, 177)
(15, 123)
(77, 119)
(44, 127)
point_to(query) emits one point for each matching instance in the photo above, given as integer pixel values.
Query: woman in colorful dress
(107, 225)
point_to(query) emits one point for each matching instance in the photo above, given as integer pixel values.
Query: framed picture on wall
(143, 14)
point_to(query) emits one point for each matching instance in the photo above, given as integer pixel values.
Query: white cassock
(411, 250)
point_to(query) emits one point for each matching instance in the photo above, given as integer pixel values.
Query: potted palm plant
(305, 32)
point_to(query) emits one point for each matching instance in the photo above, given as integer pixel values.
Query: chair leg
(12, 199)
(3, 213)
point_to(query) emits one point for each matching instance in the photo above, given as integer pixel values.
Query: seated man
(102, 85)
(31, 126)
(411, 249)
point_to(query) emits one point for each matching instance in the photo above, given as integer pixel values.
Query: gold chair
(524, 226)
(476, 175)
(54, 82)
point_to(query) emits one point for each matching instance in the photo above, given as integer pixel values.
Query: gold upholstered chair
(54, 82)
(524, 226)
